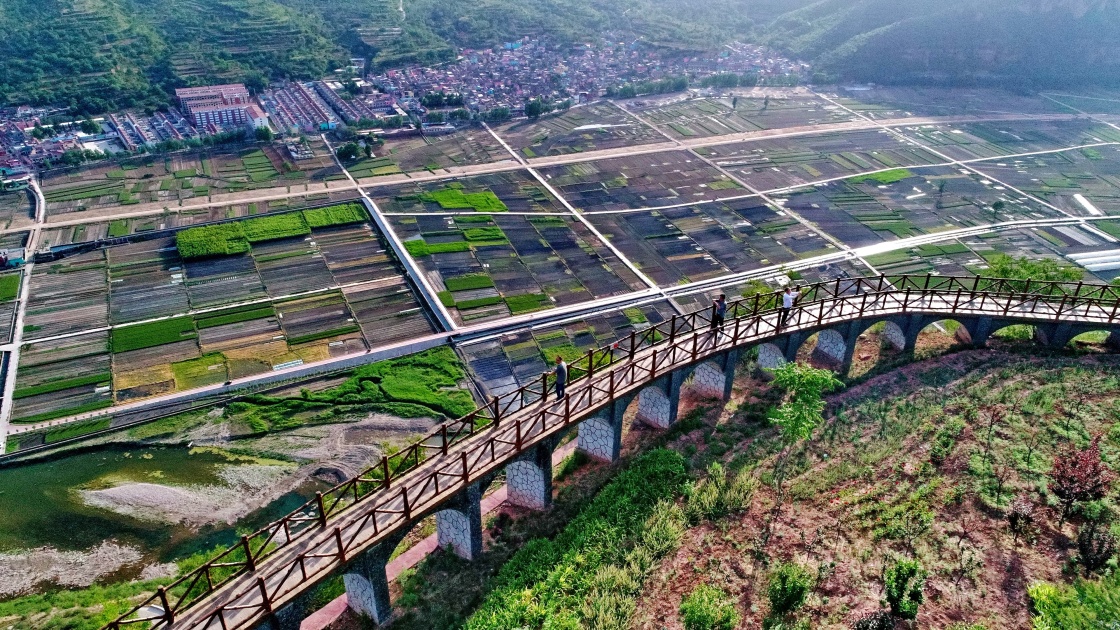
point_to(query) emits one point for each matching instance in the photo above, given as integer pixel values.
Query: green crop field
(9, 287)
(212, 240)
(336, 215)
(466, 283)
(57, 386)
(234, 316)
(884, 177)
(455, 199)
(125, 338)
(270, 228)
(527, 303)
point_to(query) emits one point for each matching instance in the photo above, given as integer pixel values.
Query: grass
(883, 177)
(9, 287)
(76, 429)
(118, 228)
(125, 338)
(547, 580)
(426, 384)
(455, 199)
(208, 369)
(57, 386)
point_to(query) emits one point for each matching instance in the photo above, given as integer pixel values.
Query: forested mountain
(1016, 43)
(96, 55)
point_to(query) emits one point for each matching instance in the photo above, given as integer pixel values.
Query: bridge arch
(769, 356)
(828, 346)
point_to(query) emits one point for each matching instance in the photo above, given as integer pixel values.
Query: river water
(40, 503)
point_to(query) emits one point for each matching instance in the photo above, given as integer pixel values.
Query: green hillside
(956, 42)
(96, 55)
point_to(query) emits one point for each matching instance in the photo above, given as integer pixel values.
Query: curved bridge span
(353, 528)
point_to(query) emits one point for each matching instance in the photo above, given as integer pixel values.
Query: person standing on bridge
(789, 298)
(561, 377)
(719, 312)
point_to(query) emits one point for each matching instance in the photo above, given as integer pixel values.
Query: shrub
(1084, 605)
(1095, 544)
(1079, 475)
(708, 608)
(789, 585)
(1020, 515)
(717, 496)
(878, 620)
(903, 582)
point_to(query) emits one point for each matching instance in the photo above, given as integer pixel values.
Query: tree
(1004, 266)
(997, 208)
(90, 127)
(1079, 475)
(802, 408)
(264, 134)
(903, 583)
(534, 109)
(348, 151)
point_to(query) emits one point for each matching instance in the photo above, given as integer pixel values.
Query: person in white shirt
(789, 298)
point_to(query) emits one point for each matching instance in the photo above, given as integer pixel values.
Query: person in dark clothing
(561, 377)
(719, 313)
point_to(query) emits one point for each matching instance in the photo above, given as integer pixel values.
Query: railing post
(567, 410)
(653, 365)
(590, 363)
(757, 299)
(497, 411)
(168, 614)
(466, 469)
(385, 470)
(443, 438)
(696, 343)
(249, 560)
(517, 435)
(407, 507)
(906, 300)
(338, 541)
(925, 287)
(322, 510)
(264, 595)
(544, 387)
(735, 331)
(633, 343)
(610, 385)
(673, 329)
(1061, 307)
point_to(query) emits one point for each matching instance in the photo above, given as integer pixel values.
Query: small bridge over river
(264, 581)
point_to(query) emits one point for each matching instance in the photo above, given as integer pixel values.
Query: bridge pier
(1057, 335)
(770, 356)
(529, 478)
(894, 336)
(657, 404)
(834, 349)
(600, 437)
(459, 523)
(367, 585)
(715, 377)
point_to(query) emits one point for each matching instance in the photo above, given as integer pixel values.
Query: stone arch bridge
(352, 529)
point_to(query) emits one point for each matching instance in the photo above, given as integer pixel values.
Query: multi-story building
(220, 105)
